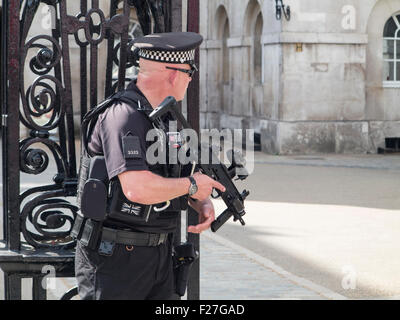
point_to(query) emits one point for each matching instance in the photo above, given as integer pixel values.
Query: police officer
(134, 259)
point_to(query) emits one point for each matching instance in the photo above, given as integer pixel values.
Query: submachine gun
(219, 172)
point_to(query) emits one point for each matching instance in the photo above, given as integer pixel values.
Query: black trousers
(144, 273)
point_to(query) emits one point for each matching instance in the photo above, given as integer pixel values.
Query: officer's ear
(173, 77)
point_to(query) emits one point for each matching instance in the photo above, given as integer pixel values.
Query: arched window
(253, 28)
(258, 50)
(222, 61)
(225, 53)
(223, 33)
(391, 51)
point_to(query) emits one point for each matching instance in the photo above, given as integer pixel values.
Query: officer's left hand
(206, 215)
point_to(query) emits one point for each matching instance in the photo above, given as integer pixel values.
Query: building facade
(327, 80)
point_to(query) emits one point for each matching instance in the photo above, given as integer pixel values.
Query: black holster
(183, 256)
(88, 231)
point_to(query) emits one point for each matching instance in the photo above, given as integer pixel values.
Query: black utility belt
(93, 234)
(140, 239)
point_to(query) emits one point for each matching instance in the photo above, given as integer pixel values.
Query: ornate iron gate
(38, 130)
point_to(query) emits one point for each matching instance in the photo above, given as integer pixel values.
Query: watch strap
(193, 185)
(192, 181)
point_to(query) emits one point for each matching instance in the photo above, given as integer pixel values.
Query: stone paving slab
(229, 275)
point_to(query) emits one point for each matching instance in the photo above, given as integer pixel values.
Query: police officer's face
(179, 80)
(183, 81)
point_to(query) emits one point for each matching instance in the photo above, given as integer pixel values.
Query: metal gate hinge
(4, 120)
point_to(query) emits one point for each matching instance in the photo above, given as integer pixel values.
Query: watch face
(193, 189)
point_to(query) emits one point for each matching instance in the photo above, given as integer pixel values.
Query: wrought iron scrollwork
(47, 106)
(70, 294)
(36, 104)
(46, 216)
(157, 9)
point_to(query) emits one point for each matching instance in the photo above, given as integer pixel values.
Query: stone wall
(321, 88)
(322, 85)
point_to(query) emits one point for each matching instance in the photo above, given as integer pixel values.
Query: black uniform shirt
(117, 121)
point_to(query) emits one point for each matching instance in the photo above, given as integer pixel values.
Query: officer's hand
(205, 186)
(206, 215)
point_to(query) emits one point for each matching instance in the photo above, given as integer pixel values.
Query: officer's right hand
(205, 186)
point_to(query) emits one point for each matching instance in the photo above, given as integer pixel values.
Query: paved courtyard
(317, 227)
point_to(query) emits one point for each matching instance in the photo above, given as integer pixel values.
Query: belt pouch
(94, 192)
(94, 200)
(77, 229)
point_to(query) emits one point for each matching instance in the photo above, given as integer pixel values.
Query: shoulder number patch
(131, 147)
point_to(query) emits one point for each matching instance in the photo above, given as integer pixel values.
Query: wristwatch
(193, 186)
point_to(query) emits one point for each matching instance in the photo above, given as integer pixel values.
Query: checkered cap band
(168, 56)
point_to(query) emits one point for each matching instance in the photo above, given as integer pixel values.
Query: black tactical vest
(155, 221)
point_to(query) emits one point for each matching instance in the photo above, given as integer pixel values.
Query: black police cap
(171, 47)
